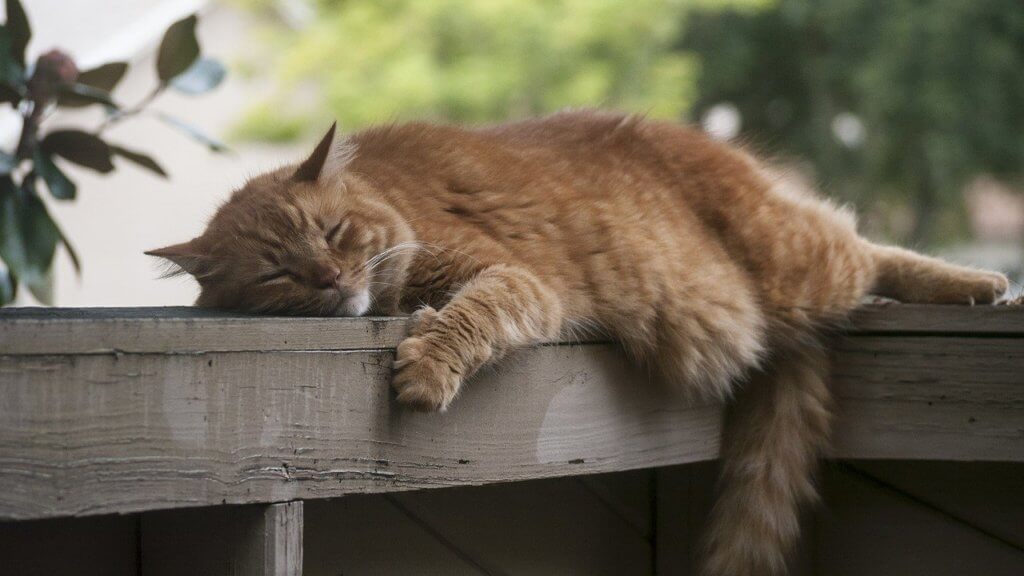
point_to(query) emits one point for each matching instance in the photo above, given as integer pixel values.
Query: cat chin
(354, 306)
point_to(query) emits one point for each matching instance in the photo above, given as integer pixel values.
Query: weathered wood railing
(131, 410)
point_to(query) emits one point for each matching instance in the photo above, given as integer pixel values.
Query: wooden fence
(151, 441)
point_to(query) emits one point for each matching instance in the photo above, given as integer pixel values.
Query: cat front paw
(422, 378)
(984, 287)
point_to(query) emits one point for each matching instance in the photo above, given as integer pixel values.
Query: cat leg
(914, 278)
(502, 308)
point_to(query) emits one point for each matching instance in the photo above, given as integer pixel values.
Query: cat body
(706, 267)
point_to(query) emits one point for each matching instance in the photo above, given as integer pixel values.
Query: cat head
(306, 239)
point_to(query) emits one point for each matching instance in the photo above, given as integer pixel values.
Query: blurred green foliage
(379, 60)
(938, 86)
(933, 89)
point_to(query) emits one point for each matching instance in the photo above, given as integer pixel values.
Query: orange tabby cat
(686, 250)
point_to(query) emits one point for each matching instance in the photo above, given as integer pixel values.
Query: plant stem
(134, 110)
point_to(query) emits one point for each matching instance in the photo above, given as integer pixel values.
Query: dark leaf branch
(28, 234)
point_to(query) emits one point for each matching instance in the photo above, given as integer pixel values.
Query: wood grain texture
(103, 433)
(929, 398)
(190, 330)
(931, 319)
(282, 531)
(197, 409)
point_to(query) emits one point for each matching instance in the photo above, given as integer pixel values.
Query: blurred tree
(379, 60)
(893, 101)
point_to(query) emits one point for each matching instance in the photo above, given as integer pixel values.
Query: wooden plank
(929, 398)
(184, 330)
(121, 432)
(366, 534)
(540, 527)
(98, 546)
(931, 319)
(282, 532)
(224, 541)
(190, 330)
(863, 529)
(100, 433)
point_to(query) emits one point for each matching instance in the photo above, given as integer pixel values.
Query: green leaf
(9, 94)
(178, 49)
(19, 30)
(104, 77)
(28, 237)
(212, 144)
(61, 187)
(71, 250)
(80, 95)
(8, 287)
(80, 147)
(204, 75)
(11, 72)
(7, 163)
(139, 159)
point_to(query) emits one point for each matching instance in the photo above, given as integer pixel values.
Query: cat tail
(774, 434)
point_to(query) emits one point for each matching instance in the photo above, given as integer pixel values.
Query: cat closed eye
(332, 234)
(275, 276)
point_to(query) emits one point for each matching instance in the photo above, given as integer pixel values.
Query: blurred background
(911, 110)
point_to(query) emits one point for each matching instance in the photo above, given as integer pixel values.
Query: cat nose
(329, 277)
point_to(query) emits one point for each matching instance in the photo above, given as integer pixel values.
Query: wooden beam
(38, 331)
(122, 411)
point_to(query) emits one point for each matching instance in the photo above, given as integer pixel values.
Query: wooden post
(281, 532)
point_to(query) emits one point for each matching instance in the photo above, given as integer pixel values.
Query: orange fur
(705, 266)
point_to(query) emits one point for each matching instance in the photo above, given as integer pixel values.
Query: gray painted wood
(929, 398)
(102, 433)
(187, 330)
(282, 532)
(184, 330)
(286, 408)
(931, 319)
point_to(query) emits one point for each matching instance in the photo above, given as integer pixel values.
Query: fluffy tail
(774, 434)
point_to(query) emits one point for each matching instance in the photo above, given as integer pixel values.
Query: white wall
(117, 217)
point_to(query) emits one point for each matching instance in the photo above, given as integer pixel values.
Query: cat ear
(310, 169)
(188, 257)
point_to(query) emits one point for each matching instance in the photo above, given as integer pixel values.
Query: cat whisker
(395, 250)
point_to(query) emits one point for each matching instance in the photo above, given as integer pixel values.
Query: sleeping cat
(688, 252)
